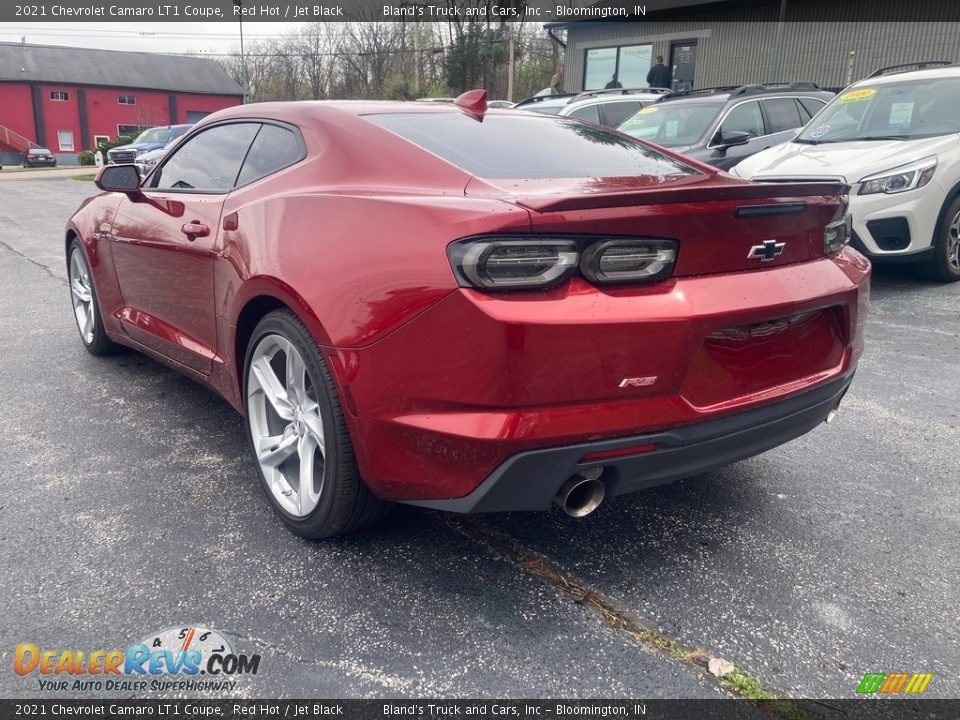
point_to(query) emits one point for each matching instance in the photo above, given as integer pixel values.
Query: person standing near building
(613, 84)
(556, 83)
(659, 75)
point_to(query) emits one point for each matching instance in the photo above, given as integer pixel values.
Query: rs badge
(638, 381)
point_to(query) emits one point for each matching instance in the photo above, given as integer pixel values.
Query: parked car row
(894, 138)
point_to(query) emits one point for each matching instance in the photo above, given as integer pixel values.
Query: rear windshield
(521, 146)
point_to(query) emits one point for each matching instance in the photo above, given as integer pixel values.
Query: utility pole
(510, 64)
(243, 55)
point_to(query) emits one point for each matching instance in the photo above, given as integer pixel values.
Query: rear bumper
(477, 381)
(530, 480)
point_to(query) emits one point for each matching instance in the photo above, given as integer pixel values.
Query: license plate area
(744, 361)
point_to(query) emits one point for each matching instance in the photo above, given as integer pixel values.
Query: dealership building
(734, 42)
(70, 99)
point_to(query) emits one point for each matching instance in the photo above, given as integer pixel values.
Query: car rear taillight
(623, 261)
(836, 235)
(515, 264)
(523, 263)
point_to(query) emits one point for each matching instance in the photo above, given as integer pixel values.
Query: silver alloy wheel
(953, 244)
(285, 425)
(81, 292)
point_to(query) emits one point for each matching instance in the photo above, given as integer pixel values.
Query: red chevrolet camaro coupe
(471, 310)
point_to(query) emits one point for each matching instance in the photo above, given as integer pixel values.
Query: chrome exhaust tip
(580, 496)
(830, 416)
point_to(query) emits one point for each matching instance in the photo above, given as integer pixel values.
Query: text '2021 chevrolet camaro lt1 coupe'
(470, 310)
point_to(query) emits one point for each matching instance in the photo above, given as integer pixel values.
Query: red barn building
(69, 99)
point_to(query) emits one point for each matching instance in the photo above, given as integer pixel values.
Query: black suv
(721, 126)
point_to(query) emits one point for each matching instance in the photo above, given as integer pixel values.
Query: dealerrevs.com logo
(175, 659)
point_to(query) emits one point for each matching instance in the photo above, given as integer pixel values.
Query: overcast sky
(176, 37)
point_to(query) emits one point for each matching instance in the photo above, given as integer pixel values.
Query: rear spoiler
(770, 192)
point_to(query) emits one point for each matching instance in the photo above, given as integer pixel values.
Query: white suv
(895, 139)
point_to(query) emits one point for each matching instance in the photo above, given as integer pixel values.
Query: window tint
(524, 146)
(616, 113)
(812, 106)
(208, 161)
(782, 114)
(588, 112)
(274, 148)
(744, 118)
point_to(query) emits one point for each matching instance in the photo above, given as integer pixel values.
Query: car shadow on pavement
(901, 279)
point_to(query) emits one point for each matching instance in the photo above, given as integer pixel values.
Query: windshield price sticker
(857, 95)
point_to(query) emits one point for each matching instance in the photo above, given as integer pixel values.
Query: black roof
(24, 62)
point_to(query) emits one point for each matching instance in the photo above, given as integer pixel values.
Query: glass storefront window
(601, 66)
(625, 67)
(634, 66)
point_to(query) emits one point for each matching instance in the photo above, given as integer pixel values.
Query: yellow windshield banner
(857, 95)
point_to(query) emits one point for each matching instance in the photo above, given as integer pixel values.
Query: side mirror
(118, 178)
(734, 137)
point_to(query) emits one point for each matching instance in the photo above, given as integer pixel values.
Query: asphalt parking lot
(129, 503)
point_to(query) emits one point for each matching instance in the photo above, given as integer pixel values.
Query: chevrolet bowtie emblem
(767, 250)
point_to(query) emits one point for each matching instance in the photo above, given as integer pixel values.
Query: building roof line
(58, 64)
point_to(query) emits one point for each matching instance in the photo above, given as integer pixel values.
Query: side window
(589, 112)
(616, 112)
(745, 117)
(782, 114)
(207, 161)
(274, 149)
(811, 105)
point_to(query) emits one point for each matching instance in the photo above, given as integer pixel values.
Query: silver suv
(604, 107)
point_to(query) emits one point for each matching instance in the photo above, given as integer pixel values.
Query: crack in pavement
(622, 620)
(45, 268)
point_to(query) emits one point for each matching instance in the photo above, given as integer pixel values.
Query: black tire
(100, 344)
(345, 502)
(945, 263)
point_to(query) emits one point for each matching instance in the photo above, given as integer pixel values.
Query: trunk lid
(716, 220)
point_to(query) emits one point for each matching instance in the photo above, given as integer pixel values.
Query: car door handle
(194, 229)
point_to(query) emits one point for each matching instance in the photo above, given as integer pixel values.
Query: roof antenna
(473, 102)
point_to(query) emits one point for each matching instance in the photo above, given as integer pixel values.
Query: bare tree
(377, 60)
(319, 46)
